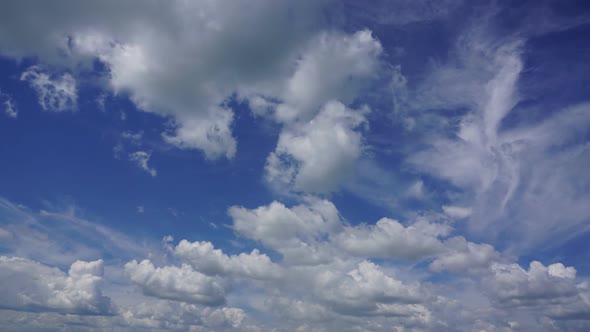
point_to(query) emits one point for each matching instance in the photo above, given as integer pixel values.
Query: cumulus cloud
(285, 58)
(366, 290)
(291, 231)
(175, 283)
(206, 259)
(390, 239)
(170, 315)
(512, 285)
(56, 93)
(316, 156)
(332, 67)
(459, 255)
(30, 286)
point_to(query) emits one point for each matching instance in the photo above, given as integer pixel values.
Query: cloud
(507, 171)
(511, 285)
(9, 108)
(318, 155)
(366, 290)
(332, 67)
(456, 212)
(186, 61)
(60, 236)
(30, 286)
(57, 93)
(390, 239)
(179, 316)
(141, 158)
(462, 256)
(211, 134)
(175, 283)
(206, 259)
(290, 231)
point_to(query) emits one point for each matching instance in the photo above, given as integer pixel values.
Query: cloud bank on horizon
(266, 165)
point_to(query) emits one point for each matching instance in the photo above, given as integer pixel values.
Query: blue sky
(295, 166)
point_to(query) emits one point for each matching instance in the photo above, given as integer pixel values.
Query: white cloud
(211, 133)
(30, 286)
(133, 137)
(460, 255)
(512, 285)
(291, 231)
(206, 259)
(141, 158)
(332, 67)
(169, 315)
(186, 60)
(316, 156)
(456, 212)
(9, 108)
(175, 283)
(366, 290)
(390, 239)
(507, 173)
(56, 94)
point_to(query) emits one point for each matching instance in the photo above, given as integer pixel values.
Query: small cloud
(140, 209)
(100, 101)
(456, 212)
(9, 107)
(118, 150)
(132, 137)
(174, 212)
(416, 190)
(141, 158)
(56, 94)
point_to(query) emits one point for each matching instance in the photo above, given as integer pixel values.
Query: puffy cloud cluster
(190, 62)
(175, 283)
(316, 156)
(390, 239)
(186, 60)
(178, 316)
(461, 255)
(206, 259)
(512, 285)
(31, 286)
(332, 67)
(339, 281)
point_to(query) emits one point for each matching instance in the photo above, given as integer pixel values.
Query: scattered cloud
(141, 158)
(31, 286)
(10, 109)
(56, 93)
(175, 283)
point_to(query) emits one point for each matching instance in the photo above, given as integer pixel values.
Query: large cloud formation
(492, 187)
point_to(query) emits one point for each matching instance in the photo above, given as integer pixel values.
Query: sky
(313, 165)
